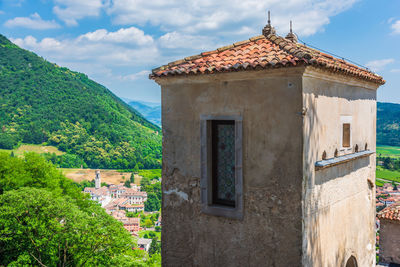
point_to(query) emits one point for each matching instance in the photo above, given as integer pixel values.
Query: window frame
(206, 182)
(346, 120)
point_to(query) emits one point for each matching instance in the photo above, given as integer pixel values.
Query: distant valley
(151, 111)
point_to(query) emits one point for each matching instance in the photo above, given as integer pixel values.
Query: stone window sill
(322, 164)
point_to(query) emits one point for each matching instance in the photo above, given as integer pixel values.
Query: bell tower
(97, 180)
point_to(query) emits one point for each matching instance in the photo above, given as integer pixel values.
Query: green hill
(388, 124)
(41, 102)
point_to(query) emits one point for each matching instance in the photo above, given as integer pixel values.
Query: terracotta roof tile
(391, 212)
(262, 52)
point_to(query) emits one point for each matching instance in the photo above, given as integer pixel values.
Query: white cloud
(396, 27)
(128, 35)
(178, 40)
(70, 11)
(395, 70)
(204, 16)
(377, 65)
(34, 21)
(134, 76)
(95, 51)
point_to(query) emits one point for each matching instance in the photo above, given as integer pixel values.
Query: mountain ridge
(41, 102)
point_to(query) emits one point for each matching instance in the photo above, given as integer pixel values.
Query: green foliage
(145, 182)
(34, 171)
(155, 246)
(158, 228)
(132, 179)
(150, 174)
(8, 140)
(41, 102)
(388, 124)
(86, 183)
(150, 234)
(133, 214)
(38, 226)
(65, 160)
(390, 175)
(155, 260)
(154, 195)
(153, 203)
(379, 182)
(148, 223)
(45, 219)
(127, 183)
(149, 220)
(388, 151)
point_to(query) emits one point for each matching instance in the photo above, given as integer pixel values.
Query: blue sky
(118, 42)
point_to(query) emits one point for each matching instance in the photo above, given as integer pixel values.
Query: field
(151, 173)
(379, 182)
(34, 148)
(388, 151)
(107, 176)
(385, 175)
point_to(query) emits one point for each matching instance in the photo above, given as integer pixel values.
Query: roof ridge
(290, 47)
(272, 51)
(206, 53)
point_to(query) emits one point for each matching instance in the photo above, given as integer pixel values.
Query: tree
(148, 223)
(145, 181)
(39, 228)
(132, 179)
(127, 183)
(34, 171)
(155, 247)
(152, 203)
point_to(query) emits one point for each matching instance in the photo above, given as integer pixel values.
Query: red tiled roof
(391, 212)
(262, 52)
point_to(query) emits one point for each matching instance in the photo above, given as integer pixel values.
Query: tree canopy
(45, 220)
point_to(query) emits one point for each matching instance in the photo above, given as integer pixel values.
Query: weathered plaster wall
(270, 233)
(389, 242)
(338, 202)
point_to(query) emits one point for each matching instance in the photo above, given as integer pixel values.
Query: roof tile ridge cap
(240, 43)
(282, 42)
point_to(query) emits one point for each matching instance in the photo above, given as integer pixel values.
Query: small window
(221, 165)
(345, 134)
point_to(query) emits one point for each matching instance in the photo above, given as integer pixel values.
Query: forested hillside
(41, 102)
(388, 124)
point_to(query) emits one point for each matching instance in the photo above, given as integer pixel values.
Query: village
(120, 201)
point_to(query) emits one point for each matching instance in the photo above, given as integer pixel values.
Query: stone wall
(339, 202)
(270, 103)
(389, 242)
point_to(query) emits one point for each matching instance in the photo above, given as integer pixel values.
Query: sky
(118, 42)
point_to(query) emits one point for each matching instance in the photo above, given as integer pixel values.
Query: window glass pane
(224, 162)
(346, 135)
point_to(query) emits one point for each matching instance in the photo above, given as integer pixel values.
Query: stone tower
(97, 180)
(268, 157)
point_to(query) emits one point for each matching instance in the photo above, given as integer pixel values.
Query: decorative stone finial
(268, 29)
(291, 36)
